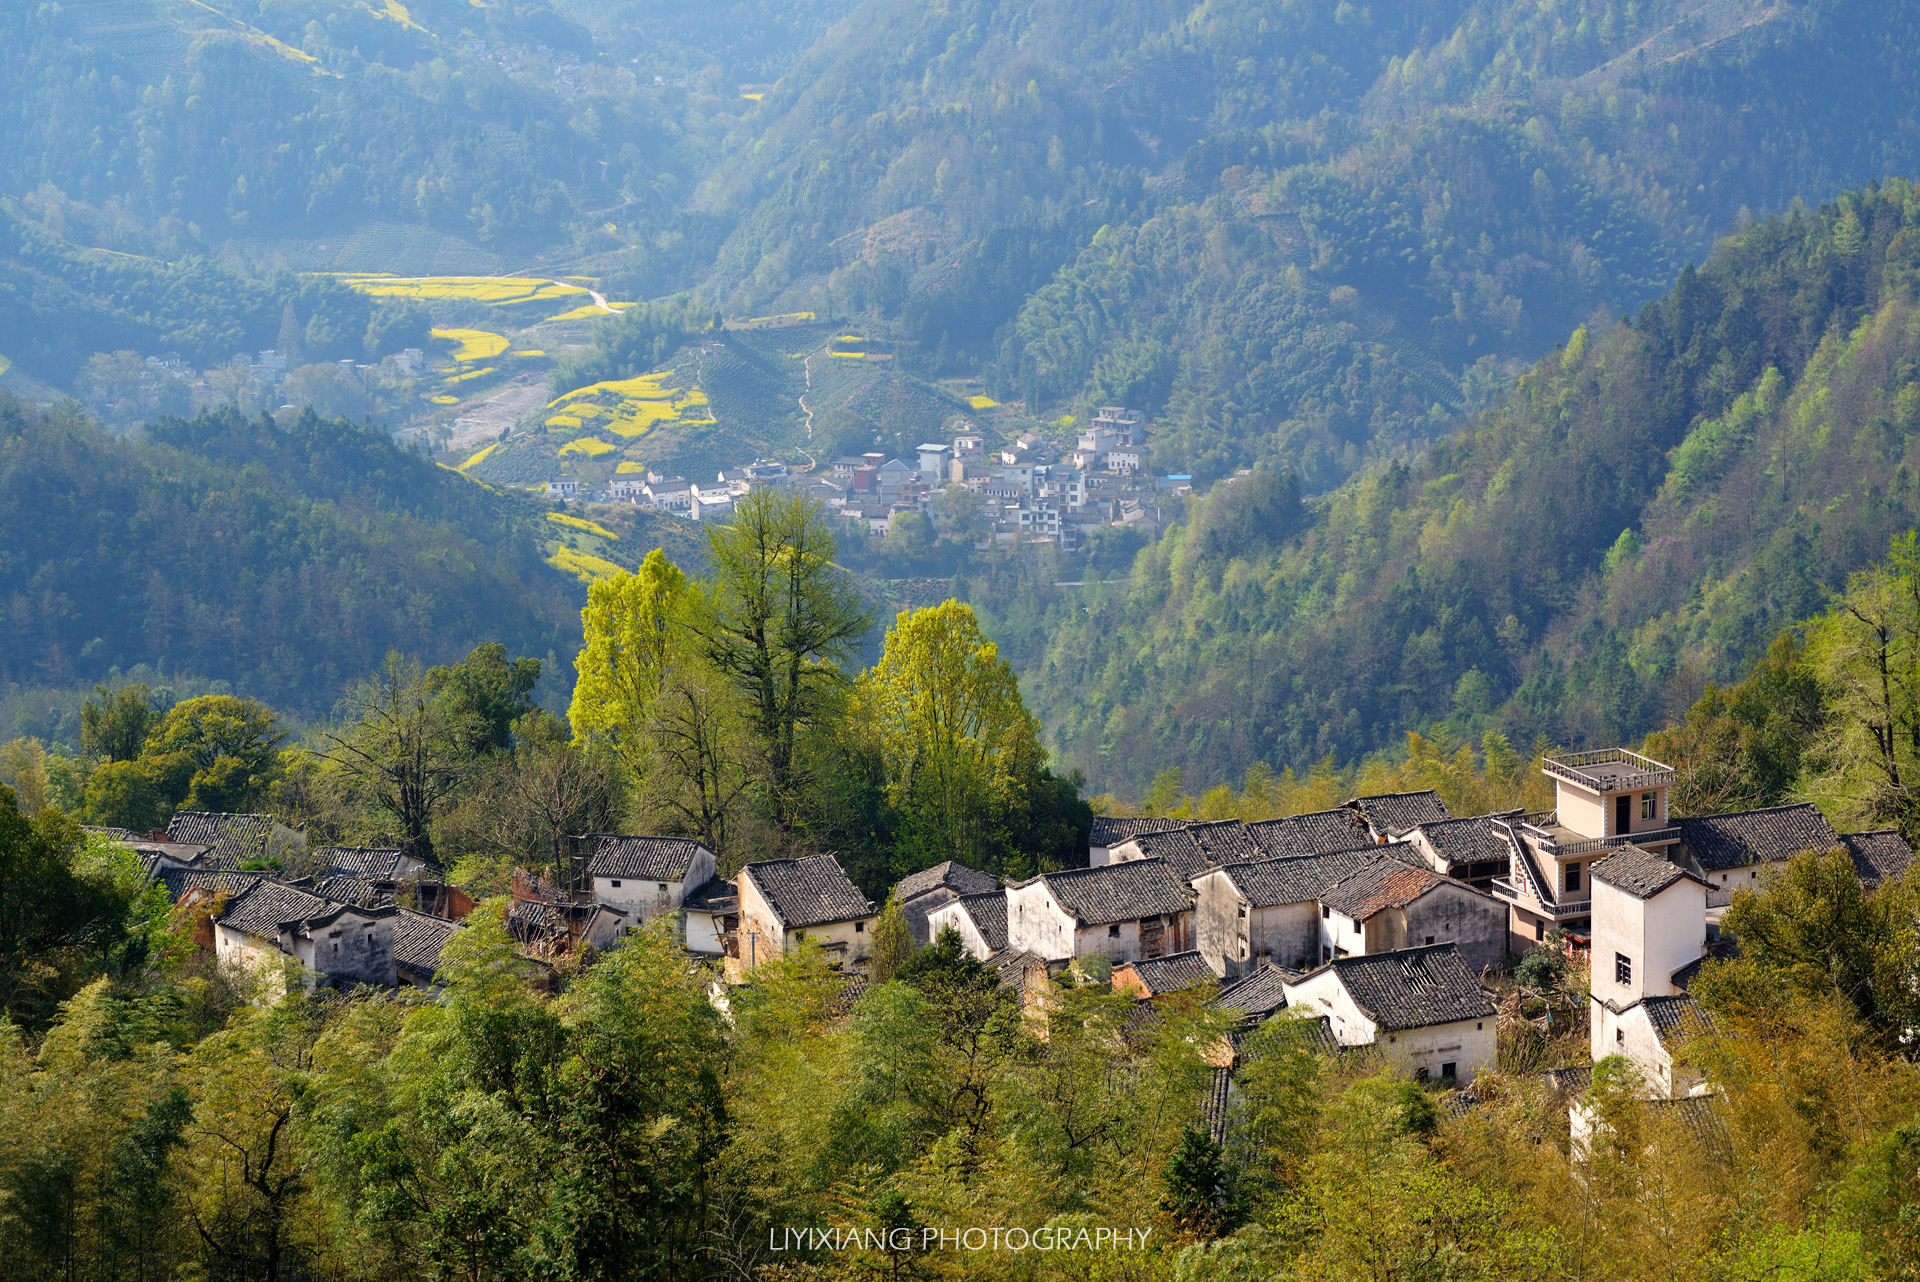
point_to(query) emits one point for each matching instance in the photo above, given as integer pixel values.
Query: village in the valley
(1384, 926)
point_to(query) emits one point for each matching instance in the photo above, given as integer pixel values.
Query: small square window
(1646, 805)
(1429, 939)
(616, 883)
(859, 927)
(1622, 969)
(1113, 931)
(663, 887)
(1420, 1074)
(1326, 913)
(1449, 1072)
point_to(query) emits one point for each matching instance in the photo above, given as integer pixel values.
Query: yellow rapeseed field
(581, 523)
(480, 457)
(591, 446)
(472, 373)
(494, 290)
(444, 399)
(982, 402)
(584, 567)
(631, 468)
(631, 406)
(474, 344)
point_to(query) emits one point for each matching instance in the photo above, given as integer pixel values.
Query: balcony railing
(1632, 771)
(1656, 837)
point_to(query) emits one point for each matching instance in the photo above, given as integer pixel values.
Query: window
(1420, 1074)
(663, 887)
(859, 927)
(1646, 805)
(1481, 1024)
(1243, 910)
(1539, 930)
(1573, 876)
(1326, 913)
(1449, 1072)
(1619, 1037)
(1429, 939)
(1113, 931)
(616, 883)
(1622, 969)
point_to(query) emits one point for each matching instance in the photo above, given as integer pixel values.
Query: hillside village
(1388, 923)
(1028, 491)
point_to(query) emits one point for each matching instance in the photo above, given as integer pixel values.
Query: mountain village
(1381, 925)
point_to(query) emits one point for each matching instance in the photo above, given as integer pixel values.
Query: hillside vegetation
(284, 559)
(1644, 510)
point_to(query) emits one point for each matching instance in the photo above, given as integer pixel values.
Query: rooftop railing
(1633, 770)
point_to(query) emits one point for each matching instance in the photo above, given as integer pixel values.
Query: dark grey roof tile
(1391, 813)
(951, 875)
(1173, 973)
(808, 892)
(989, 915)
(1109, 831)
(1640, 873)
(1119, 892)
(1413, 987)
(1748, 837)
(642, 858)
(1879, 857)
(238, 837)
(1320, 832)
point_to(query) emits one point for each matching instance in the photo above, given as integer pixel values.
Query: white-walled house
(1259, 913)
(1109, 832)
(980, 920)
(645, 876)
(785, 901)
(1390, 905)
(1732, 851)
(1125, 911)
(1420, 1008)
(918, 894)
(1649, 922)
(270, 923)
(712, 915)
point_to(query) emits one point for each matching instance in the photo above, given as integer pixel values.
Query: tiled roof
(1268, 883)
(1119, 892)
(808, 892)
(954, 876)
(238, 837)
(112, 834)
(179, 881)
(1226, 841)
(343, 888)
(1879, 857)
(1413, 987)
(1468, 841)
(1640, 873)
(642, 858)
(1391, 813)
(1384, 884)
(1674, 1016)
(1214, 1107)
(1320, 832)
(269, 905)
(989, 914)
(1109, 831)
(417, 938)
(1724, 948)
(713, 894)
(533, 921)
(1569, 1081)
(1012, 965)
(382, 863)
(1177, 849)
(176, 852)
(1257, 995)
(1173, 973)
(1756, 836)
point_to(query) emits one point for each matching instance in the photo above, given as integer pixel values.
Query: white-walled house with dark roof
(1649, 926)
(1420, 1008)
(1126, 911)
(645, 876)
(785, 901)
(980, 921)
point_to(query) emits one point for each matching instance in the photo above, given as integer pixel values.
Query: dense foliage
(1645, 510)
(286, 558)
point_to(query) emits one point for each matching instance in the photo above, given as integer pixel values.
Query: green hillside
(1327, 228)
(284, 559)
(1642, 512)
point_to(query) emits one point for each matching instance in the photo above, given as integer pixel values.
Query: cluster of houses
(1379, 919)
(1031, 496)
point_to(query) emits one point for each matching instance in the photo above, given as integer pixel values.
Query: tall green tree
(114, 723)
(778, 617)
(403, 754)
(630, 622)
(487, 691)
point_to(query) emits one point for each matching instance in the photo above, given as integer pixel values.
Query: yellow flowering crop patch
(493, 290)
(982, 402)
(631, 406)
(849, 356)
(582, 566)
(631, 468)
(591, 446)
(444, 399)
(474, 344)
(564, 420)
(531, 351)
(472, 373)
(587, 311)
(480, 457)
(581, 523)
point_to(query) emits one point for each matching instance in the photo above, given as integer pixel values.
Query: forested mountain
(1326, 226)
(1643, 511)
(286, 560)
